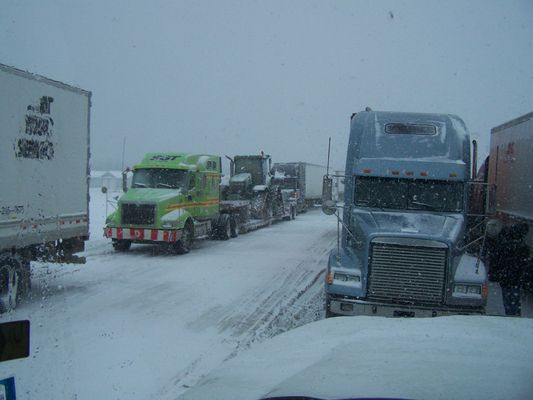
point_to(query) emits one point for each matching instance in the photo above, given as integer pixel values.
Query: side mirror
(125, 180)
(327, 188)
(494, 227)
(104, 190)
(329, 207)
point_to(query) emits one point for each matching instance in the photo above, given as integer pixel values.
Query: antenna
(329, 148)
(123, 152)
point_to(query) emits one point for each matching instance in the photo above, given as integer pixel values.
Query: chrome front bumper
(353, 307)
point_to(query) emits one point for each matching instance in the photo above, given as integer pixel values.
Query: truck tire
(269, 212)
(121, 245)
(234, 226)
(14, 281)
(224, 227)
(183, 246)
(329, 313)
(293, 212)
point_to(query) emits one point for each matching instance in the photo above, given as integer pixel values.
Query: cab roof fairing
(450, 146)
(181, 161)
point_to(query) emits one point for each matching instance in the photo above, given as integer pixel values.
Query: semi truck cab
(404, 218)
(174, 198)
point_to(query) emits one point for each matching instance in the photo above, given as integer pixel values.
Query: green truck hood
(150, 195)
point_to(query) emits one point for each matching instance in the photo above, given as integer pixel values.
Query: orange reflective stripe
(212, 202)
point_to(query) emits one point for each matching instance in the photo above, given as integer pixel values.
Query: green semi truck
(174, 199)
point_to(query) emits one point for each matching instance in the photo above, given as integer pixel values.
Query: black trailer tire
(14, 281)
(234, 226)
(293, 212)
(121, 245)
(184, 245)
(224, 227)
(269, 212)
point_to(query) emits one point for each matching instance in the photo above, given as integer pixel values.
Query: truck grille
(407, 274)
(138, 214)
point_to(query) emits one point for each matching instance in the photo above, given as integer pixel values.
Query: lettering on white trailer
(38, 126)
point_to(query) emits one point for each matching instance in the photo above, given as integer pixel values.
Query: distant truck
(44, 169)
(301, 181)
(510, 173)
(175, 199)
(503, 191)
(404, 218)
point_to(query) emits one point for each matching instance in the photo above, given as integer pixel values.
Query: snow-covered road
(147, 324)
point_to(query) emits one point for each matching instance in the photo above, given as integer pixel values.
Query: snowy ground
(458, 357)
(147, 324)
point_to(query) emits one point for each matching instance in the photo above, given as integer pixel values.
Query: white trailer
(44, 170)
(301, 180)
(314, 174)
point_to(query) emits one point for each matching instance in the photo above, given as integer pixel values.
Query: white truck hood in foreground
(460, 357)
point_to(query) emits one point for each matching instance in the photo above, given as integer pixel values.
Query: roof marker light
(409, 173)
(367, 170)
(453, 175)
(395, 172)
(423, 173)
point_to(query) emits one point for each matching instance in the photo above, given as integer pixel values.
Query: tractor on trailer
(44, 162)
(251, 184)
(402, 251)
(175, 198)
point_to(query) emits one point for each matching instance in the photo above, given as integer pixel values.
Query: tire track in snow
(296, 301)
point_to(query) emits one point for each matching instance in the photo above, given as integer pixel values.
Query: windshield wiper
(139, 184)
(425, 205)
(164, 185)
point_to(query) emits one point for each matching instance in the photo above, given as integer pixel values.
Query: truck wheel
(13, 282)
(329, 313)
(268, 212)
(234, 227)
(224, 232)
(293, 212)
(121, 245)
(183, 246)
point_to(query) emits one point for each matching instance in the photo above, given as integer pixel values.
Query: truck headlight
(467, 289)
(460, 289)
(340, 276)
(474, 289)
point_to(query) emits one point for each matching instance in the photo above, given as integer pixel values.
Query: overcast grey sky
(237, 77)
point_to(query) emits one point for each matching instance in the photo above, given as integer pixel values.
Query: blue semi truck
(402, 249)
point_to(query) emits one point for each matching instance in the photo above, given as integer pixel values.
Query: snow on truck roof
(186, 161)
(401, 135)
(40, 78)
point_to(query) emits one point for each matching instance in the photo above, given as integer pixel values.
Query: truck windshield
(160, 178)
(251, 165)
(404, 194)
